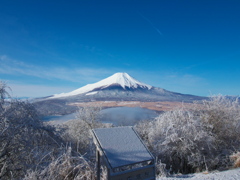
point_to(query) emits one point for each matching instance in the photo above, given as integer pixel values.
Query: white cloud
(33, 91)
(185, 83)
(9, 66)
(184, 79)
(21, 72)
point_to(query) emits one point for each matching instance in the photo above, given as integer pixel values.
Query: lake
(118, 116)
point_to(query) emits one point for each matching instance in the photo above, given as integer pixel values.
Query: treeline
(202, 138)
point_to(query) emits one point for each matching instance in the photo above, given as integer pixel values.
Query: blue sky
(53, 46)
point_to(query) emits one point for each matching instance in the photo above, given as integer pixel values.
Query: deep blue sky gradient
(56, 46)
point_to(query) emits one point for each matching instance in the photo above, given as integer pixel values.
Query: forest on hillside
(204, 137)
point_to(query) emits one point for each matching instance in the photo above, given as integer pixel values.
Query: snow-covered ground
(233, 174)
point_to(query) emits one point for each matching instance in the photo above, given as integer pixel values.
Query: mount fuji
(116, 81)
(118, 87)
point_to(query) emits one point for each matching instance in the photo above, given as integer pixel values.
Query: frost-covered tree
(64, 167)
(24, 140)
(180, 141)
(196, 139)
(221, 116)
(78, 160)
(78, 131)
(31, 149)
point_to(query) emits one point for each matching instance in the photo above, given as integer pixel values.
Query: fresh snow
(92, 93)
(122, 79)
(233, 174)
(121, 146)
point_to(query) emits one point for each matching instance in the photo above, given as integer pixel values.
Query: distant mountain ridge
(118, 87)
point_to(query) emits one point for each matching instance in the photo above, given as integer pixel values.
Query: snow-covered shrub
(143, 128)
(196, 139)
(161, 170)
(78, 131)
(235, 157)
(180, 141)
(221, 116)
(65, 167)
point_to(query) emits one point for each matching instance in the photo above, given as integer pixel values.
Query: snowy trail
(233, 174)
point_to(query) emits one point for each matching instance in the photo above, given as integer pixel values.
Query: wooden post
(98, 164)
(108, 174)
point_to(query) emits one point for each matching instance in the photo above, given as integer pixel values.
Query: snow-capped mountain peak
(124, 80)
(118, 79)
